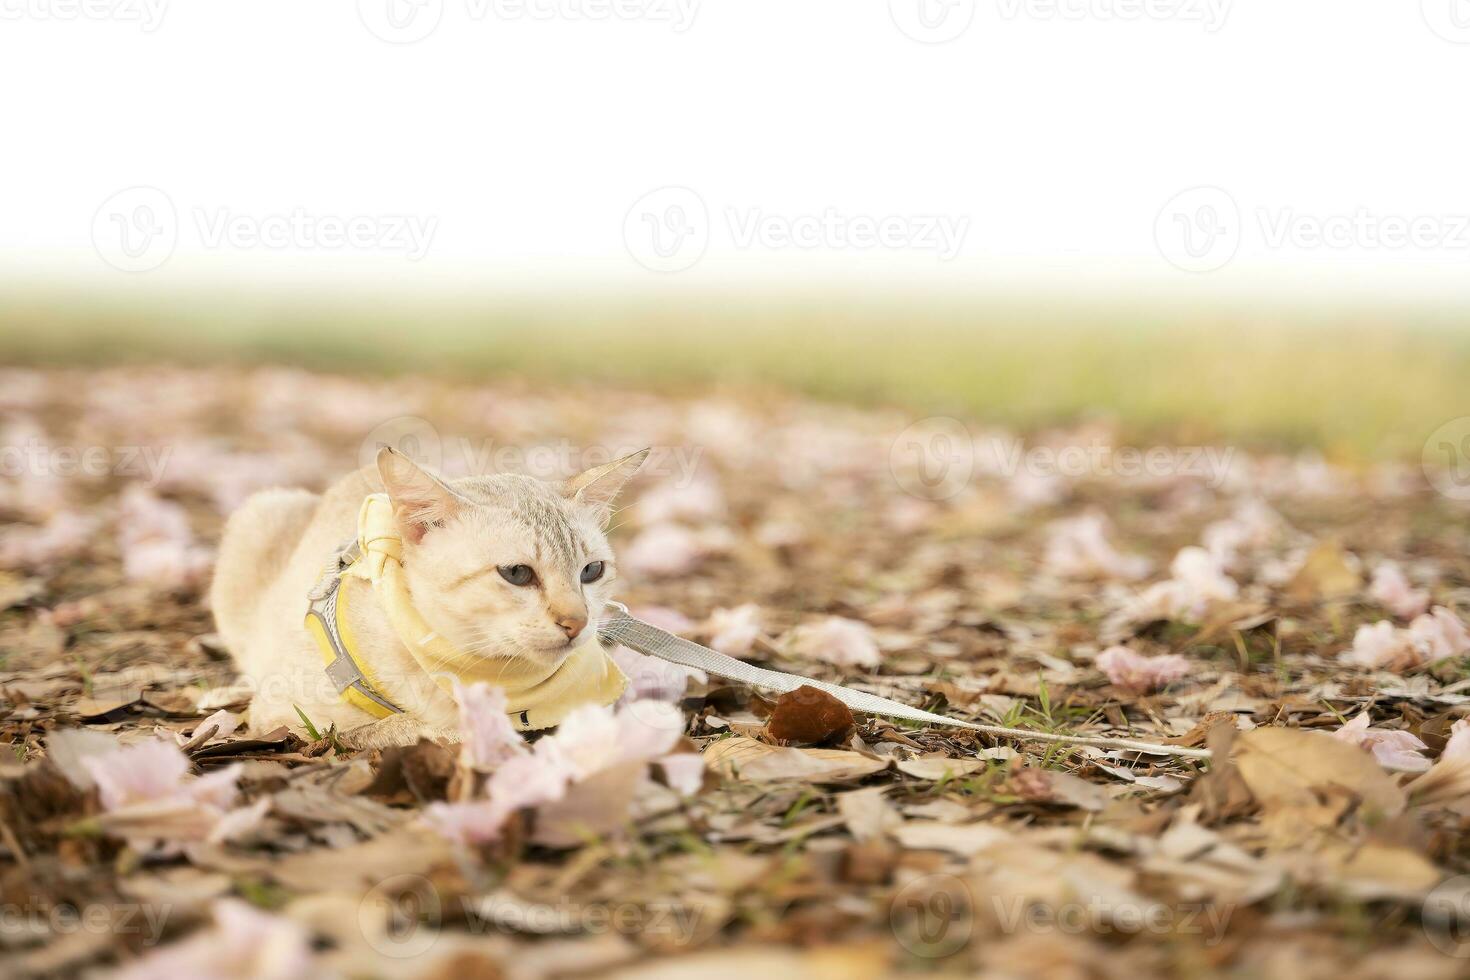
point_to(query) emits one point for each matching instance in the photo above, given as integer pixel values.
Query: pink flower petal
(1382, 647)
(1078, 547)
(663, 550)
(1134, 672)
(1391, 590)
(489, 738)
(839, 641)
(650, 678)
(1395, 749)
(1458, 745)
(734, 631)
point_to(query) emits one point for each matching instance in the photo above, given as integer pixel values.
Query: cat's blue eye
(592, 572)
(518, 574)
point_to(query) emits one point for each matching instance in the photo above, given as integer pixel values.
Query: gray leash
(619, 626)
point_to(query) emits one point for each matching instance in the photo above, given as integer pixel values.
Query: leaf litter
(1303, 621)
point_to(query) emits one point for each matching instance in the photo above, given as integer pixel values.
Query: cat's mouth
(542, 647)
(556, 650)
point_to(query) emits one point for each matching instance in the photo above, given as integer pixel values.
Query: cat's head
(507, 565)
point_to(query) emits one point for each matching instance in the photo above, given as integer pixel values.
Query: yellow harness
(537, 696)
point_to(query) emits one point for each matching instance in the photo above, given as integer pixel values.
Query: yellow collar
(537, 696)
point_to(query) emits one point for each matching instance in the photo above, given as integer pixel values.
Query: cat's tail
(258, 540)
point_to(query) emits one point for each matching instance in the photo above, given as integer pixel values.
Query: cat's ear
(599, 486)
(420, 499)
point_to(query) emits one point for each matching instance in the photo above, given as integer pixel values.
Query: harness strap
(622, 627)
(324, 616)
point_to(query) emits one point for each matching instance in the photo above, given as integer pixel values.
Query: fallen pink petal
(1139, 674)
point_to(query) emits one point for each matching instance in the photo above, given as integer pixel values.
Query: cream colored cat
(504, 566)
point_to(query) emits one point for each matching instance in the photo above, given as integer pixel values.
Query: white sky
(1040, 143)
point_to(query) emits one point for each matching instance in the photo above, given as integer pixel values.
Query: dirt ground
(1209, 597)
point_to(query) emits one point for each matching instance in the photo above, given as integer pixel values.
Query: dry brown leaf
(1325, 574)
(316, 805)
(592, 808)
(68, 747)
(1288, 767)
(940, 768)
(1377, 871)
(869, 816)
(1221, 793)
(108, 705)
(356, 870)
(1446, 781)
(745, 758)
(852, 962)
(965, 839)
(1049, 786)
(413, 772)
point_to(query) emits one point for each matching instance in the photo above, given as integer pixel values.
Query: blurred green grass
(1357, 384)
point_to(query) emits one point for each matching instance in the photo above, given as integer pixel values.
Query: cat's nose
(572, 626)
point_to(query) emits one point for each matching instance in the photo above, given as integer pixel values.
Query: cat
(501, 566)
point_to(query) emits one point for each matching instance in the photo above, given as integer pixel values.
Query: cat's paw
(395, 731)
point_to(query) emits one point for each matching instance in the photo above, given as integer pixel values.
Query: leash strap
(622, 627)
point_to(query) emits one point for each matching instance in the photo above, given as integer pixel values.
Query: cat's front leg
(400, 729)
